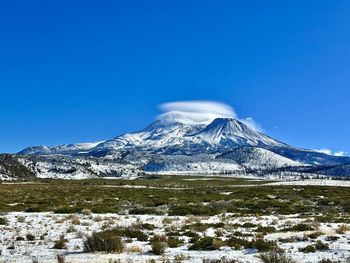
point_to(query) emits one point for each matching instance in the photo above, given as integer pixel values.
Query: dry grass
(133, 249)
(342, 229)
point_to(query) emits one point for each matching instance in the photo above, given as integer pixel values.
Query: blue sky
(76, 71)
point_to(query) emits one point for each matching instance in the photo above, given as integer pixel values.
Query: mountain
(179, 138)
(11, 168)
(66, 149)
(177, 146)
(256, 158)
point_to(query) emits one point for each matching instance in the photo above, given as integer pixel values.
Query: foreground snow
(47, 227)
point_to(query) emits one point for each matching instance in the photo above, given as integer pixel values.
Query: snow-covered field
(318, 182)
(30, 237)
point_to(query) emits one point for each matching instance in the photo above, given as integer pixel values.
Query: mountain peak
(234, 132)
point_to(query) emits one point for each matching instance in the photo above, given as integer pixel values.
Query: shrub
(237, 243)
(61, 259)
(174, 242)
(308, 249)
(275, 257)
(342, 229)
(147, 226)
(249, 225)
(158, 248)
(332, 238)
(75, 220)
(21, 219)
(266, 229)
(30, 237)
(159, 244)
(221, 260)
(327, 260)
(86, 212)
(180, 258)
(315, 234)
(3, 221)
(105, 241)
(132, 233)
(71, 229)
(263, 246)
(127, 232)
(146, 211)
(207, 243)
(321, 246)
(193, 210)
(134, 249)
(60, 243)
(299, 228)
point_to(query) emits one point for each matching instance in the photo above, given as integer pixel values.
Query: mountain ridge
(225, 145)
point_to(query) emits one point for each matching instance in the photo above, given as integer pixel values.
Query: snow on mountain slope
(156, 136)
(66, 149)
(159, 146)
(199, 164)
(180, 138)
(234, 132)
(310, 157)
(259, 158)
(66, 167)
(11, 168)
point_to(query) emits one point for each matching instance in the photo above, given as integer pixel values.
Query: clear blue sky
(75, 71)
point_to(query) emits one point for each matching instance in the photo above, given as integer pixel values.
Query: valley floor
(46, 228)
(192, 219)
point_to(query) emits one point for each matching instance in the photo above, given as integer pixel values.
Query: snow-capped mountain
(190, 139)
(234, 133)
(176, 145)
(66, 149)
(256, 158)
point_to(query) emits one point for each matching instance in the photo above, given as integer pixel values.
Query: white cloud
(330, 152)
(340, 153)
(195, 112)
(201, 112)
(252, 124)
(325, 151)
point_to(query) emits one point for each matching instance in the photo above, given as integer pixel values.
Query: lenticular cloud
(195, 112)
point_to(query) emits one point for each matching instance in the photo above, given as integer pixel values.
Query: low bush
(332, 238)
(133, 233)
(342, 229)
(308, 249)
(147, 226)
(321, 245)
(275, 257)
(30, 237)
(128, 232)
(193, 210)
(299, 228)
(146, 211)
(174, 242)
(327, 260)
(3, 221)
(220, 260)
(105, 241)
(207, 243)
(266, 229)
(159, 244)
(263, 246)
(237, 243)
(60, 243)
(21, 219)
(315, 234)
